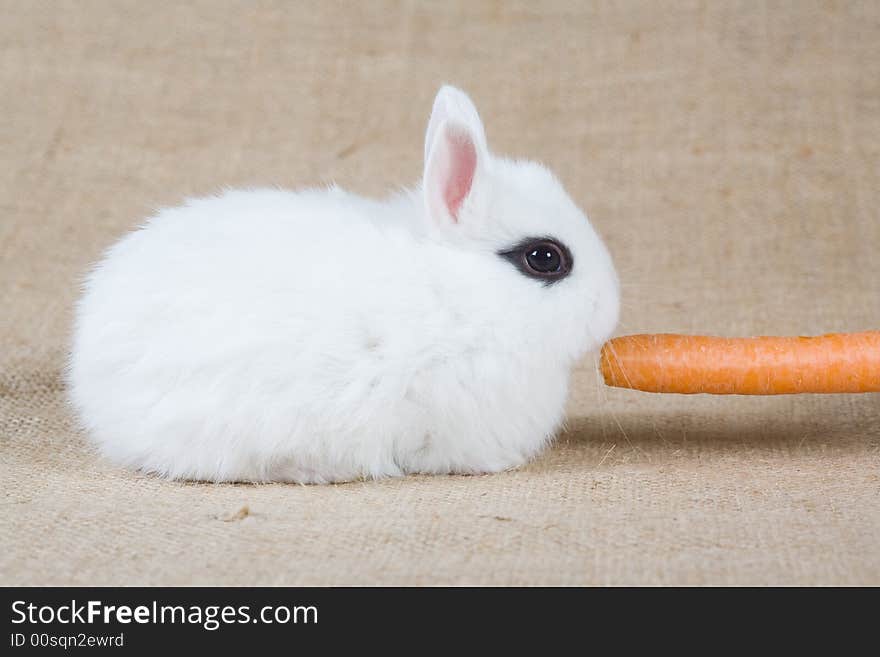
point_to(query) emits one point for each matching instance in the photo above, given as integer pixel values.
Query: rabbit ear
(450, 172)
(455, 144)
(453, 105)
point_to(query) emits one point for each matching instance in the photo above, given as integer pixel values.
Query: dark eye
(541, 258)
(544, 258)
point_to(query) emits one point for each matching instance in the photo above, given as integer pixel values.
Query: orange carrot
(838, 362)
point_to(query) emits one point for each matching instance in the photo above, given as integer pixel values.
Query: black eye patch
(541, 258)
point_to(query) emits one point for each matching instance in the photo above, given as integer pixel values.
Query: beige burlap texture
(729, 152)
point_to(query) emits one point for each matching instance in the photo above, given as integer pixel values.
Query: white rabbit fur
(318, 336)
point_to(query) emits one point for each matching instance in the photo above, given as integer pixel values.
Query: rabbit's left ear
(455, 145)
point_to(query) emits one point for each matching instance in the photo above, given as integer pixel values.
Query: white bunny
(318, 336)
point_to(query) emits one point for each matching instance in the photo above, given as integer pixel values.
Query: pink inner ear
(462, 164)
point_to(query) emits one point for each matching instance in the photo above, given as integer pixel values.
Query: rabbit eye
(544, 258)
(541, 258)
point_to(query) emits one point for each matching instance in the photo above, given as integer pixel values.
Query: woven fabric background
(729, 152)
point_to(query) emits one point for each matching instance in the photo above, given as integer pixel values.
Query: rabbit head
(548, 267)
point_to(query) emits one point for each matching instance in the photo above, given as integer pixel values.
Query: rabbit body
(318, 336)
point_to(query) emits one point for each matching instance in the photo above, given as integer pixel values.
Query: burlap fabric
(729, 152)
